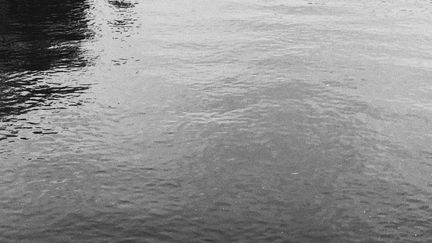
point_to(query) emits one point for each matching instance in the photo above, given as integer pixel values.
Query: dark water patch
(122, 4)
(21, 94)
(39, 35)
(40, 42)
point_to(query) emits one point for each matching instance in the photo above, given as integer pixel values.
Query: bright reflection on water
(232, 120)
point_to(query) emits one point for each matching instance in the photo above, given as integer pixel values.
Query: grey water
(225, 121)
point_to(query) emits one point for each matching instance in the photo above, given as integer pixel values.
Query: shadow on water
(40, 35)
(40, 45)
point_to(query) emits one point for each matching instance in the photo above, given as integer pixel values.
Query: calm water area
(215, 121)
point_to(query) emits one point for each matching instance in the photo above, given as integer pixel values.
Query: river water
(227, 121)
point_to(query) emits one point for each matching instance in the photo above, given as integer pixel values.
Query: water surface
(199, 120)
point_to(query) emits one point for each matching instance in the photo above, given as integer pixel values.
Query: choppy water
(231, 120)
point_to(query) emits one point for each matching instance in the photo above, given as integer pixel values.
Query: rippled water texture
(231, 120)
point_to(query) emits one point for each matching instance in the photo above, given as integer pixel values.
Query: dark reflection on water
(21, 94)
(39, 38)
(39, 35)
(121, 4)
